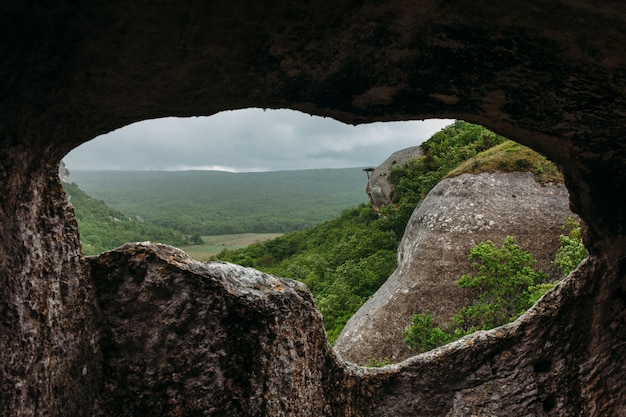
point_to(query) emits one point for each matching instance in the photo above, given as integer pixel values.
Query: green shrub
(506, 285)
(503, 277)
(422, 336)
(572, 250)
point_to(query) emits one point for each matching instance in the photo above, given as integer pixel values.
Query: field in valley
(215, 244)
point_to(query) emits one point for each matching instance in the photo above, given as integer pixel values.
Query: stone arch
(547, 74)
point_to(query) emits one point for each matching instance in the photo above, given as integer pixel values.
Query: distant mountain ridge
(218, 202)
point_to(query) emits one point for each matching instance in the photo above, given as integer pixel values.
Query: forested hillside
(102, 228)
(216, 203)
(345, 260)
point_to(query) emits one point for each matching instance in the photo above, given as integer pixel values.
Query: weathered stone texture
(548, 73)
(49, 357)
(183, 338)
(454, 217)
(379, 188)
(180, 337)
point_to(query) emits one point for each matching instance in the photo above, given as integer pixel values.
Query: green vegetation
(206, 203)
(511, 157)
(572, 249)
(504, 276)
(375, 363)
(423, 336)
(102, 228)
(345, 260)
(443, 152)
(507, 285)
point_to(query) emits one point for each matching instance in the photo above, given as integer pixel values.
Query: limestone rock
(379, 189)
(50, 362)
(455, 216)
(182, 338)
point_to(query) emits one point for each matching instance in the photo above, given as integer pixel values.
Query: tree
(196, 240)
(572, 250)
(506, 285)
(503, 277)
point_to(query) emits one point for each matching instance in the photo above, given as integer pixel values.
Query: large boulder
(185, 338)
(455, 216)
(379, 188)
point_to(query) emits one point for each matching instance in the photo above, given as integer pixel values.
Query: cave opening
(548, 73)
(206, 151)
(153, 138)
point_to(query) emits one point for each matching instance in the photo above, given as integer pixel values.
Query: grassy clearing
(215, 244)
(511, 157)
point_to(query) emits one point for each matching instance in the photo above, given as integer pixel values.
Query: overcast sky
(248, 140)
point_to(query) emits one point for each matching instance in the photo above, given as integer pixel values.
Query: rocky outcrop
(548, 74)
(379, 188)
(455, 216)
(64, 173)
(184, 338)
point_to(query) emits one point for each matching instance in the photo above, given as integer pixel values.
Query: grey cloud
(249, 140)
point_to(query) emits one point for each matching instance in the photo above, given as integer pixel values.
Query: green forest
(208, 203)
(103, 228)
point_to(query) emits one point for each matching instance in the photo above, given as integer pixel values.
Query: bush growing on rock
(507, 285)
(572, 250)
(503, 277)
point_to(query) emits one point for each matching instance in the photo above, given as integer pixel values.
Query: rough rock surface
(49, 356)
(184, 338)
(379, 188)
(455, 216)
(549, 74)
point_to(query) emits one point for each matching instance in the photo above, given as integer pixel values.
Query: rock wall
(49, 357)
(455, 216)
(549, 74)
